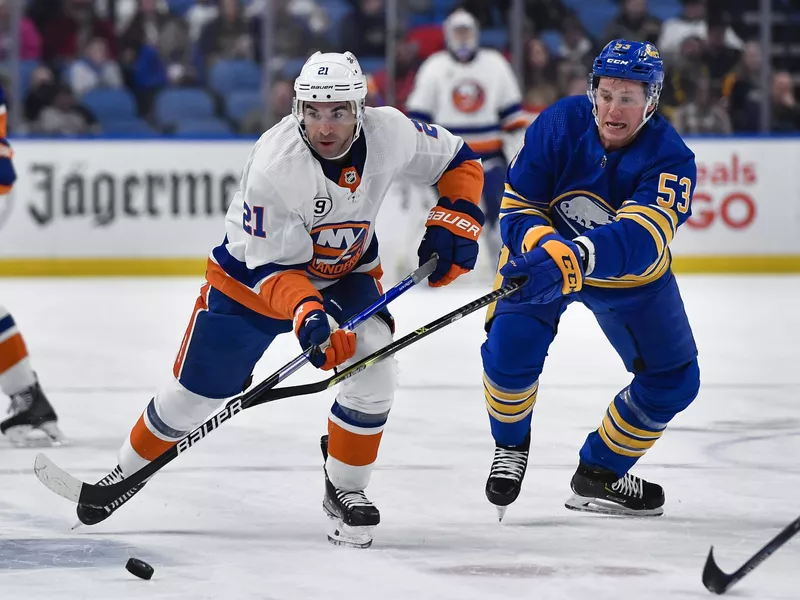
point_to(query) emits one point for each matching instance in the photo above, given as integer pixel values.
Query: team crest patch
(468, 96)
(337, 248)
(582, 211)
(651, 51)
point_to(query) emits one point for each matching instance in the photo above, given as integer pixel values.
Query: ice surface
(239, 516)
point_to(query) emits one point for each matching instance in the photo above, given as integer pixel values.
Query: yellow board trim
(102, 267)
(153, 267)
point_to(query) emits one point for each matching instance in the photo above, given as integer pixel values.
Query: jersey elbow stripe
(650, 227)
(666, 225)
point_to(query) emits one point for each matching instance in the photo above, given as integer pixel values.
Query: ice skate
(33, 422)
(599, 490)
(505, 478)
(352, 515)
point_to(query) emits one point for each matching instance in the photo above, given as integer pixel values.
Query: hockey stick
(71, 488)
(378, 355)
(720, 582)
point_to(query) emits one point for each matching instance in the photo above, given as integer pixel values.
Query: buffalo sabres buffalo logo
(582, 211)
(651, 51)
(337, 248)
(468, 96)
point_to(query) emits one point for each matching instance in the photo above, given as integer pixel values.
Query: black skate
(34, 422)
(505, 478)
(600, 491)
(91, 515)
(353, 516)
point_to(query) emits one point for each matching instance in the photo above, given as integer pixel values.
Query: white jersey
(289, 215)
(476, 100)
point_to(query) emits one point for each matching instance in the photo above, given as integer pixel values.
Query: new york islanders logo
(582, 210)
(337, 248)
(468, 96)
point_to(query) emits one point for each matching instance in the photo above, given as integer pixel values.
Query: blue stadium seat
(232, 75)
(238, 104)
(179, 7)
(552, 39)
(291, 68)
(130, 127)
(372, 64)
(596, 17)
(110, 104)
(175, 104)
(496, 37)
(205, 126)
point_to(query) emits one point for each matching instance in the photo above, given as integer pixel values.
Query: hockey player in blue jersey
(591, 203)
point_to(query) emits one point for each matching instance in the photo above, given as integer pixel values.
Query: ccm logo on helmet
(616, 61)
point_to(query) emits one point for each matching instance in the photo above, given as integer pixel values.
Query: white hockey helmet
(461, 34)
(331, 77)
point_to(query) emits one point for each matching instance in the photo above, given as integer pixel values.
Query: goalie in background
(33, 420)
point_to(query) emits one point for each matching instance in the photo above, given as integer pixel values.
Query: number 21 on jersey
(257, 228)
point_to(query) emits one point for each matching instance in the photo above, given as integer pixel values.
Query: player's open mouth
(614, 125)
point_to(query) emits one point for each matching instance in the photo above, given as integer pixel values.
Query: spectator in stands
(41, 92)
(66, 35)
(155, 51)
(742, 89)
(292, 37)
(576, 49)
(785, 110)
(30, 42)
(488, 14)
(540, 89)
(364, 31)
(406, 66)
(228, 36)
(576, 85)
(633, 22)
(94, 69)
(199, 14)
(257, 121)
(701, 114)
(687, 68)
(65, 116)
(718, 57)
(691, 22)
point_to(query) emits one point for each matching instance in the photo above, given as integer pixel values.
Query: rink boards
(156, 207)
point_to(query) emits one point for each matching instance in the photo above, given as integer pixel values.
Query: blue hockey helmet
(636, 61)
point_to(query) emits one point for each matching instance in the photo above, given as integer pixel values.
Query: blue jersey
(627, 203)
(7, 174)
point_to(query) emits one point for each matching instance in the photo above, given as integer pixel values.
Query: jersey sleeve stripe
(666, 225)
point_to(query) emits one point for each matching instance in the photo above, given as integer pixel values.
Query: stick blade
(56, 479)
(714, 578)
(424, 271)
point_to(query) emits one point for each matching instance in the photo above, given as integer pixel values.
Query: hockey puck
(139, 568)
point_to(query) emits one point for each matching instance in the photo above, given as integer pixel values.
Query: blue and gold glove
(553, 265)
(452, 232)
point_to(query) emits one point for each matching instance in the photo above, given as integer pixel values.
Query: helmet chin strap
(299, 110)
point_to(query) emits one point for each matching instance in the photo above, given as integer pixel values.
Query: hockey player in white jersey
(300, 254)
(473, 92)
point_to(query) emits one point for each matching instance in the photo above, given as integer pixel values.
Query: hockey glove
(554, 268)
(313, 329)
(452, 232)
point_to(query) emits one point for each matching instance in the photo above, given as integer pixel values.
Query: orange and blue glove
(312, 328)
(554, 268)
(451, 231)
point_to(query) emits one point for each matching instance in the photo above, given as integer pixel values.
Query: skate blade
(340, 534)
(52, 431)
(501, 512)
(27, 436)
(606, 507)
